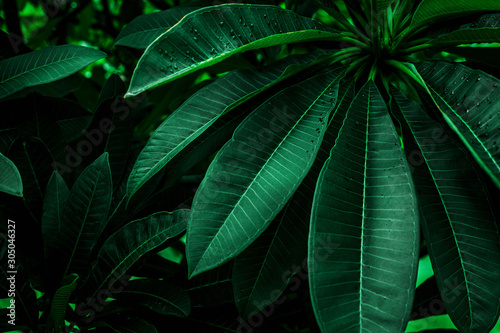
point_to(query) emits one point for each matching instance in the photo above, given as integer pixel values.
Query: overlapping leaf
(83, 220)
(122, 249)
(10, 179)
(432, 10)
(43, 66)
(144, 29)
(262, 271)
(200, 111)
(483, 30)
(459, 226)
(258, 170)
(363, 239)
(191, 45)
(470, 103)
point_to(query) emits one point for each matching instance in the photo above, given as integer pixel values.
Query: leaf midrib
(267, 161)
(459, 250)
(83, 222)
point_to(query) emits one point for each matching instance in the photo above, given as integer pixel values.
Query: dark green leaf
(83, 219)
(129, 243)
(43, 66)
(10, 179)
(242, 190)
(364, 235)
(459, 226)
(60, 301)
(190, 45)
(470, 102)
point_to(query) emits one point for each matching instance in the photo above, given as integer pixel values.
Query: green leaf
(83, 218)
(483, 30)
(43, 66)
(430, 11)
(144, 29)
(160, 296)
(122, 249)
(202, 109)
(469, 101)
(364, 233)
(10, 179)
(233, 28)
(381, 5)
(60, 301)
(56, 197)
(262, 271)
(459, 226)
(257, 171)
(114, 114)
(468, 36)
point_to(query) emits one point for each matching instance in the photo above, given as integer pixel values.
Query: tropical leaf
(381, 5)
(262, 272)
(160, 296)
(433, 10)
(459, 226)
(56, 197)
(122, 249)
(83, 219)
(189, 45)
(60, 301)
(470, 103)
(364, 233)
(144, 29)
(46, 65)
(10, 179)
(203, 109)
(483, 30)
(282, 134)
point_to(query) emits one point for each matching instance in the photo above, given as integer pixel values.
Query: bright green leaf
(234, 28)
(459, 226)
(202, 109)
(470, 102)
(256, 172)
(432, 10)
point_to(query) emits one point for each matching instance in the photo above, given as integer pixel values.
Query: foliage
(295, 168)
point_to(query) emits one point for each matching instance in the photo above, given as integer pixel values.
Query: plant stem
(417, 48)
(353, 41)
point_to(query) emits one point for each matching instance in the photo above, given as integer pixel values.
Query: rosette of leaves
(380, 119)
